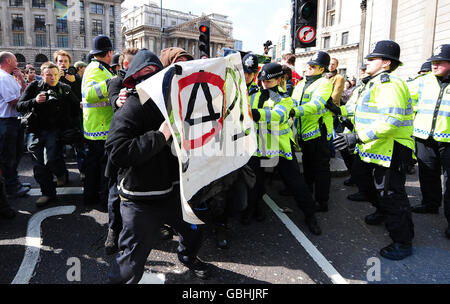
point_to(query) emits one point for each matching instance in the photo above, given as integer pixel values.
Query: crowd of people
(381, 125)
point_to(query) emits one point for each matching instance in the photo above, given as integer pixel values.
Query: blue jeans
(47, 158)
(115, 219)
(11, 150)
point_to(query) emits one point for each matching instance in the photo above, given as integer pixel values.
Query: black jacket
(114, 87)
(147, 168)
(59, 114)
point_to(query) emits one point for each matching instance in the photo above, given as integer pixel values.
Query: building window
(97, 8)
(111, 10)
(82, 28)
(63, 41)
(283, 43)
(331, 12)
(97, 27)
(18, 39)
(81, 6)
(344, 38)
(113, 42)
(326, 42)
(111, 30)
(38, 3)
(342, 72)
(151, 20)
(16, 3)
(39, 23)
(174, 23)
(17, 22)
(61, 25)
(61, 4)
(41, 40)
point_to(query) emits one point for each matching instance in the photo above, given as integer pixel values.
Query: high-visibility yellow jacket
(97, 110)
(383, 114)
(273, 132)
(432, 107)
(310, 107)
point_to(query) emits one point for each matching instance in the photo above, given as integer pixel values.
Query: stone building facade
(141, 27)
(34, 29)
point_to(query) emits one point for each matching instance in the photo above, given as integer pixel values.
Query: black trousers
(292, 178)
(385, 189)
(316, 167)
(434, 157)
(141, 224)
(95, 183)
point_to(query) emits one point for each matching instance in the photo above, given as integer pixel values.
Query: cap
(270, 71)
(101, 44)
(250, 63)
(80, 64)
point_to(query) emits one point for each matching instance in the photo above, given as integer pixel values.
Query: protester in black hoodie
(147, 180)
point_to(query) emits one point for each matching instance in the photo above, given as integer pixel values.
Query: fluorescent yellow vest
(97, 110)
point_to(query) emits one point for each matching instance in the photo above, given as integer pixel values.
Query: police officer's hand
(122, 97)
(346, 122)
(330, 105)
(256, 115)
(41, 98)
(346, 141)
(291, 113)
(164, 129)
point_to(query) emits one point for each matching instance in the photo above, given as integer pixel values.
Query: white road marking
(323, 263)
(152, 278)
(59, 191)
(33, 242)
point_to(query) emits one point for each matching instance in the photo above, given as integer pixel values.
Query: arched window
(20, 60)
(40, 58)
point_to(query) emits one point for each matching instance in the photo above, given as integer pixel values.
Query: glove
(346, 122)
(330, 105)
(256, 115)
(291, 113)
(346, 141)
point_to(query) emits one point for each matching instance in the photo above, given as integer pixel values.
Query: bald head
(8, 61)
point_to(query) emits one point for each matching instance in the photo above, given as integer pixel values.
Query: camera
(50, 95)
(70, 70)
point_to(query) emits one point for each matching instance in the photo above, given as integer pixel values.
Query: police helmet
(441, 53)
(101, 44)
(321, 59)
(250, 63)
(115, 60)
(270, 71)
(426, 67)
(386, 49)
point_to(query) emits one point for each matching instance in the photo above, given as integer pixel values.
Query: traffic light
(203, 39)
(305, 23)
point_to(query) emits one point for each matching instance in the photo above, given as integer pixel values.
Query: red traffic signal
(203, 29)
(203, 39)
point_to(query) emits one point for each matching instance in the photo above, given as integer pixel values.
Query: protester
(289, 60)
(80, 66)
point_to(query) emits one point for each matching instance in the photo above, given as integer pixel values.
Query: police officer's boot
(396, 251)
(111, 245)
(357, 197)
(313, 225)
(375, 218)
(199, 268)
(422, 209)
(447, 232)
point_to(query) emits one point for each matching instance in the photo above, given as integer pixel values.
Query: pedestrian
(315, 127)
(431, 97)
(148, 180)
(270, 111)
(114, 217)
(384, 143)
(286, 80)
(11, 132)
(97, 115)
(115, 63)
(289, 60)
(80, 66)
(50, 105)
(348, 90)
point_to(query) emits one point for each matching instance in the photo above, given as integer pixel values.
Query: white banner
(206, 102)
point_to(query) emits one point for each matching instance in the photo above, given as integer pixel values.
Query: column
(87, 25)
(28, 24)
(6, 26)
(107, 20)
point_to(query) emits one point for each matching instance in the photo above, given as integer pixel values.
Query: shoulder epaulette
(385, 78)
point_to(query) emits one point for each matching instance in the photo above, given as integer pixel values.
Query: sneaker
(111, 245)
(44, 200)
(199, 268)
(21, 192)
(7, 213)
(396, 251)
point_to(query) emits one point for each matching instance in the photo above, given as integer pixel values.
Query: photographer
(48, 106)
(68, 75)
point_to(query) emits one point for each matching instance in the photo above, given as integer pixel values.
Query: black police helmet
(426, 67)
(320, 58)
(386, 49)
(250, 63)
(101, 44)
(115, 60)
(270, 71)
(441, 53)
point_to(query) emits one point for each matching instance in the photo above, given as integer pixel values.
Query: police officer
(97, 115)
(383, 125)
(315, 127)
(431, 96)
(115, 63)
(250, 65)
(270, 111)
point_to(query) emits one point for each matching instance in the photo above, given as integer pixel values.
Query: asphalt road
(268, 252)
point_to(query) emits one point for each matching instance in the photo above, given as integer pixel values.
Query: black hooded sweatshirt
(147, 168)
